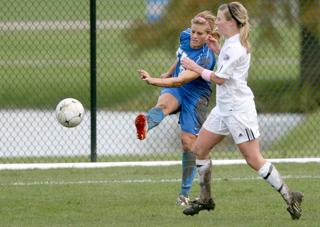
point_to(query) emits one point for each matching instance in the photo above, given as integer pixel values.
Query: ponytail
(244, 36)
(238, 12)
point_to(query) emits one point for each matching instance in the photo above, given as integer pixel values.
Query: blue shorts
(193, 109)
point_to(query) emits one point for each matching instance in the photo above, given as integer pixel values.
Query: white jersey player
(235, 111)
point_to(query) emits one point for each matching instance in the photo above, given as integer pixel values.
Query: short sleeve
(227, 60)
(206, 60)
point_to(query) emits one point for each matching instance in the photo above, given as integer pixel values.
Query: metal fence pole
(93, 80)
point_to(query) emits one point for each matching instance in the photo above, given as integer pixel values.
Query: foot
(182, 200)
(141, 126)
(294, 206)
(196, 206)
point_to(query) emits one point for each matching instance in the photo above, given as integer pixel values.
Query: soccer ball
(69, 112)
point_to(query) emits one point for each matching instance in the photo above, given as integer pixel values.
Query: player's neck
(232, 33)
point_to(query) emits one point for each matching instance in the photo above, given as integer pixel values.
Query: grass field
(145, 196)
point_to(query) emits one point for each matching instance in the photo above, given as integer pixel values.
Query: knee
(187, 142)
(164, 108)
(161, 106)
(195, 149)
(200, 153)
(186, 145)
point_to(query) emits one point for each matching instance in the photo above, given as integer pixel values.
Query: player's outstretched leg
(196, 206)
(294, 206)
(146, 122)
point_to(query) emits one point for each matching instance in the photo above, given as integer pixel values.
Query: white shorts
(243, 126)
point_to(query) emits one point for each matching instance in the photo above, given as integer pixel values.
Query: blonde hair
(238, 12)
(207, 18)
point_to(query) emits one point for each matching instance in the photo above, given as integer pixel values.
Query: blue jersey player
(184, 91)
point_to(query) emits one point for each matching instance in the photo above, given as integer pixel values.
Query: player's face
(222, 25)
(198, 35)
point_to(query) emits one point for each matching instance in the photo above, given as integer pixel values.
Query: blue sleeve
(207, 60)
(185, 39)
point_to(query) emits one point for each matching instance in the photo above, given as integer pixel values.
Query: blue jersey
(193, 97)
(203, 56)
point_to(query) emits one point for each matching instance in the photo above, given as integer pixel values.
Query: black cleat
(294, 207)
(196, 206)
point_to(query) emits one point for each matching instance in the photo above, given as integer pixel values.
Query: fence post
(93, 80)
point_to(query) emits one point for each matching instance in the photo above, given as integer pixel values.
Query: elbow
(177, 83)
(218, 81)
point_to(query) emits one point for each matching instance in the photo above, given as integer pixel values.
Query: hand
(144, 75)
(213, 44)
(189, 64)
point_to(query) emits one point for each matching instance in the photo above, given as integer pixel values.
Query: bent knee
(187, 145)
(187, 141)
(200, 151)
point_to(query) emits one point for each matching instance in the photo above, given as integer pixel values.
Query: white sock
(202, 162)
(271, 174)
(204, 169)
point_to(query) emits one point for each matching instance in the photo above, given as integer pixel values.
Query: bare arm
(183, 78)
(191, 65)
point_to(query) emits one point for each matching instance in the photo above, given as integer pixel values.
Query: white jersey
(233, 95)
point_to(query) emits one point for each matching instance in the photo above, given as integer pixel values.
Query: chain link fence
(45, 57)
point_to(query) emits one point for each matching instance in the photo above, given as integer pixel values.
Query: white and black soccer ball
(69, 112)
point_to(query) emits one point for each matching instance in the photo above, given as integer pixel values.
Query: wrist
(199, 69)
(206, 74)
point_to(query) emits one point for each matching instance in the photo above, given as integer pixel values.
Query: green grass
(145, 196)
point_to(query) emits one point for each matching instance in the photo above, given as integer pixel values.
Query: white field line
(62, 25)
(24, 166)
(140, 181)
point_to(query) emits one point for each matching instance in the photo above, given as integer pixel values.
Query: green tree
(309, 17)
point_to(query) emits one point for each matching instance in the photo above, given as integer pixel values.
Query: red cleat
(141, 126)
